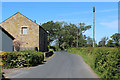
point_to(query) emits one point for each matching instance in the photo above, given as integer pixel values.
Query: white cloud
(112, 24)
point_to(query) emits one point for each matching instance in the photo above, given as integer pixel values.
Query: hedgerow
(22, 59)
(105, 61)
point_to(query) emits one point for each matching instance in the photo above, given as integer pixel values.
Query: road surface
(61, 65)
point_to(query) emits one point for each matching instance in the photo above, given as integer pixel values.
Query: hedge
(22, 59)
(105, 61)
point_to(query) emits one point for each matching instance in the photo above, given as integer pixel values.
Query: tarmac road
(61, 65)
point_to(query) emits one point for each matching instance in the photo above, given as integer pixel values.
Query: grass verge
(104, 61)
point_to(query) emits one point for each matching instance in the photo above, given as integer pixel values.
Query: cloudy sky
(106, 17)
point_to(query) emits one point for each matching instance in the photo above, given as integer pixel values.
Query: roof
(43, 29)
(27, 18)
(7, 33)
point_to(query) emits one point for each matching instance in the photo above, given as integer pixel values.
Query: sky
(59, 0)
(106, 15)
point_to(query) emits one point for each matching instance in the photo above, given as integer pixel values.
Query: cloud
(112, 24)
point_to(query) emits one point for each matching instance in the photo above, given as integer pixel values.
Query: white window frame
(21, 28)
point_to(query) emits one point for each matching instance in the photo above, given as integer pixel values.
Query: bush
(105, 61)
(53, 48)
(22, 59)
(50, 50)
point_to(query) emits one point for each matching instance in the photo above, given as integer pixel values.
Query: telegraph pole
(93, 26)
(77, 37)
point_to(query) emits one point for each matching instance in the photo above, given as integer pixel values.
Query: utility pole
(77, 37)
(93, 26)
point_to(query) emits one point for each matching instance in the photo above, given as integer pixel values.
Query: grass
(0, 67)
(100, 53)
(88, 58)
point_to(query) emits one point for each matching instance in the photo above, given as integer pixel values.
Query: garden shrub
(51, 50)
(22, 59)
(52, 47)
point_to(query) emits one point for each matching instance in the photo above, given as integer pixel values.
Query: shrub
(105, 61)
(23, 59)
(53, 48)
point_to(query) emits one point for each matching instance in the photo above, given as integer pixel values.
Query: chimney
(34, 21)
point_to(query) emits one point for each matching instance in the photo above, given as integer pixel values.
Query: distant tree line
(71, 35)
(113, 42)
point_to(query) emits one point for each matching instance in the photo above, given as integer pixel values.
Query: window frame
(21, 30)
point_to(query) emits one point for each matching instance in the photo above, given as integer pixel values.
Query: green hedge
(105, 61)
(22, 59)
(51, 50)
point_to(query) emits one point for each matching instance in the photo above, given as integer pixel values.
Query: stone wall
(14, 26)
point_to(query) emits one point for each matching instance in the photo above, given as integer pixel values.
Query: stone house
(6, 40)
(28, 33)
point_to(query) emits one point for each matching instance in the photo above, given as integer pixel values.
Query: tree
(81, 29)
(65, 35)
(116, 38)
(100, 44)
(89, 41)
(52, 29)
(60, 32)
(110, 43)
(70, 34)
(103, 42)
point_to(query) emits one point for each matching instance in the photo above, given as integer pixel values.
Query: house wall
(14, 25)
(0, 39)
(35, 37)
(7, 42)
(46, 42)
(43, 40)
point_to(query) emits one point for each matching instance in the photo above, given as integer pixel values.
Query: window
(24, 30)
